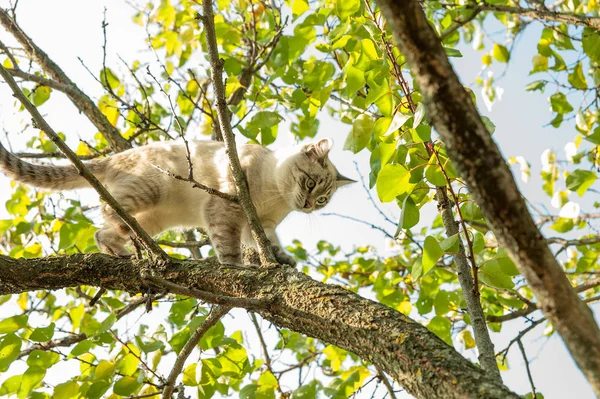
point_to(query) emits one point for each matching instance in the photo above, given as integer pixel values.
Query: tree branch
(212, 319)
(241, 184)
(468, 282)
(539, 14)
(421, 362)
(83, 170)
(77, 97)
(489, 179)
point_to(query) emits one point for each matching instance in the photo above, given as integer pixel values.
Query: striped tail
(46, 176)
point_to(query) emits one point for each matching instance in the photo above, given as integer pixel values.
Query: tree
(480, 263)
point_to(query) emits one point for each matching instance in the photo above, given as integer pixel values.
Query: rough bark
(77, 97)
(422, 363)
(239, 177)
(480, 164)
(485, 346)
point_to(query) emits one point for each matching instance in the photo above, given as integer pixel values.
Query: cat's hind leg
(115, 234)
(225, 230)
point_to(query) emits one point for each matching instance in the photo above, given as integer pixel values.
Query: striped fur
(299, 178)
(45, 176)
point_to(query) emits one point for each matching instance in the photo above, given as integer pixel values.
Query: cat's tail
(47, 176)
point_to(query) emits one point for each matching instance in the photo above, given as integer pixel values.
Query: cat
(299, 178)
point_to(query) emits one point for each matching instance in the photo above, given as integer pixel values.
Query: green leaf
(491, 274)
(560, 104)
(10, 347)
(13, 323)
(126, 386)
(81, 348)
(470, 211)
(452, 52)
(360, 134)
(450, 244)
(128, 364)
(104, 370)
(563, 225)
(580, 180)
(40, 95)
(97, 389)
(392, 180)
(148, 347)
(500, 53)
(467, 339)
(409, 216)
(591, 44)
(435, 176)
(346, 8)
(417, 269)
(66, 390)
(44, 334)
(11, 385)
(507, 266)
(109, 79)
(189, 375)
(577, 78)
(595, 137)
(536, 85)
(489, 125)
(213, 337)
(234, 361)
(299, 7)
(355, 79)
(441, 327)
(31, 378)
(540, 64)
(432, 252)
(42, 359)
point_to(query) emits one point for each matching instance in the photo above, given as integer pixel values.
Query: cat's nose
(307, 204)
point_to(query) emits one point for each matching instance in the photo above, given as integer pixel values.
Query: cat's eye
(321, 200)
(310, 184)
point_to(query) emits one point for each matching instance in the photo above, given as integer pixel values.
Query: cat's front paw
(282, 257)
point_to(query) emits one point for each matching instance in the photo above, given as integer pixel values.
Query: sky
(68, 29)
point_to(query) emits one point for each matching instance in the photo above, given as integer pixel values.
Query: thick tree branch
(79, 98)
(539, 14)
(422, 363)
(239, 177)
(479, 162)
(83, 170)
(468, 281)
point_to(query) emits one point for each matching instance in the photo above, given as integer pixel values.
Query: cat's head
(309, 178)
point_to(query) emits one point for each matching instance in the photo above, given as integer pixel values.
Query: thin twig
(529, 376)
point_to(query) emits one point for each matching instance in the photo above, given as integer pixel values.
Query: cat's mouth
(303, 205)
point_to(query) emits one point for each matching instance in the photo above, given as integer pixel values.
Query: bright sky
(70, 28)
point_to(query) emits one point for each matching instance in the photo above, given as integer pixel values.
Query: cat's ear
(318, 150)
(341, 180)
